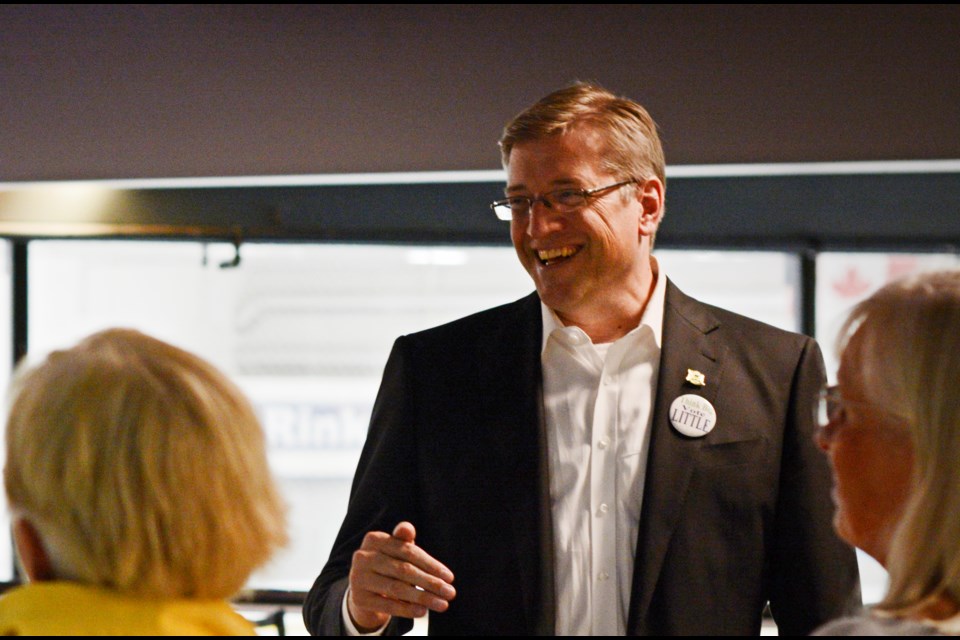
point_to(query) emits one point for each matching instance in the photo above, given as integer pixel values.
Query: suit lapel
(689, 342)
(510, 376)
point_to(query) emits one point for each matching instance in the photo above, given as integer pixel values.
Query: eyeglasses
(829, 406)
(560, 200)
(830, 412)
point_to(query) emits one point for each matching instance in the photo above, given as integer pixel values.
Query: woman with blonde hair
(891, 428)
(140, 493)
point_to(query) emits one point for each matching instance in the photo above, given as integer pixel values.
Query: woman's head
(895, 445)
(142, 468)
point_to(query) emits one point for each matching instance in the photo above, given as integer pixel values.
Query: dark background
(126, 91)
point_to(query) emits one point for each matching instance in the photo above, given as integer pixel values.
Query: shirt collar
(652, 313)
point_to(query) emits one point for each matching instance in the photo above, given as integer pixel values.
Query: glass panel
(6, 357)
(305, 330)
(843, 280)
(759, 284)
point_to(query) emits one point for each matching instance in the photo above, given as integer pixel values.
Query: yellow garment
(66, 608)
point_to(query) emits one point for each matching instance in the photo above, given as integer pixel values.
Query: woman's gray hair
(907, 349)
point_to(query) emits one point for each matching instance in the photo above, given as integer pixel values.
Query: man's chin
(556, 281)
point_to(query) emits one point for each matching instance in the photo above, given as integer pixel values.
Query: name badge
(693, 415)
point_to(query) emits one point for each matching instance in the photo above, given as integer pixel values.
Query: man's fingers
(405, 531)
(373, 589)
(405, 551)
(368, 564)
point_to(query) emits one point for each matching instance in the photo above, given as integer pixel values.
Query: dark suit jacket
(729, 521)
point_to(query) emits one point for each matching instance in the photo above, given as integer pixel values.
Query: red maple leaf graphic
(851, 285)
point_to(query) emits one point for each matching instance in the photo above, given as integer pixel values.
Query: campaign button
(693, 415)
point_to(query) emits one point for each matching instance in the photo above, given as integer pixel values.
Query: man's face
(593, 260)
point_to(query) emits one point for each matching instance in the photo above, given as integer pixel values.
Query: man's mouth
(552, 256)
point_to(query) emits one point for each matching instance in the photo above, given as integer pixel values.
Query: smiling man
(606, 456)
(590, 264)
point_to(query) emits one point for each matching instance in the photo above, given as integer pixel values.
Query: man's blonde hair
(906, 351)
(143, 468)
(633, 146)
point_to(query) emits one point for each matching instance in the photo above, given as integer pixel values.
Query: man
(607, 456)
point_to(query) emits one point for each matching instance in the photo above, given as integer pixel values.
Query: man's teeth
(548, 255)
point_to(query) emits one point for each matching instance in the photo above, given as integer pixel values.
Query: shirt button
(603, 576)
(604, 508)
(604, 443)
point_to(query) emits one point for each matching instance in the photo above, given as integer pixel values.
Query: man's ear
(33, 555)
(650, 194)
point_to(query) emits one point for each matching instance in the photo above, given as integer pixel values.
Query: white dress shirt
(598, 404)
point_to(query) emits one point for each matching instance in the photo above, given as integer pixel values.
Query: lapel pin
(696, 378)
(693, 415)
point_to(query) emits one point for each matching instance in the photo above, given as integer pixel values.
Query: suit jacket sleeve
(814, 575)
(380, 497)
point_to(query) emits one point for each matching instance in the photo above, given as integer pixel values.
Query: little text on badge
(693, 415)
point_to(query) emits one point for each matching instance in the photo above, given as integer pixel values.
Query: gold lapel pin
(696, 378)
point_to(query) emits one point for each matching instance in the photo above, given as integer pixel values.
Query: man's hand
(392, 576)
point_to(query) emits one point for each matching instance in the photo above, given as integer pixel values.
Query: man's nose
(542, 219)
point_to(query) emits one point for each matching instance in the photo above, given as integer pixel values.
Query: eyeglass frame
(585, 194)
(823, 417)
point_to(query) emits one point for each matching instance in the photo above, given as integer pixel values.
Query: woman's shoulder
(870, 625)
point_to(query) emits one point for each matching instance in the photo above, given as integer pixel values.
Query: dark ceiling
(122, 91)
